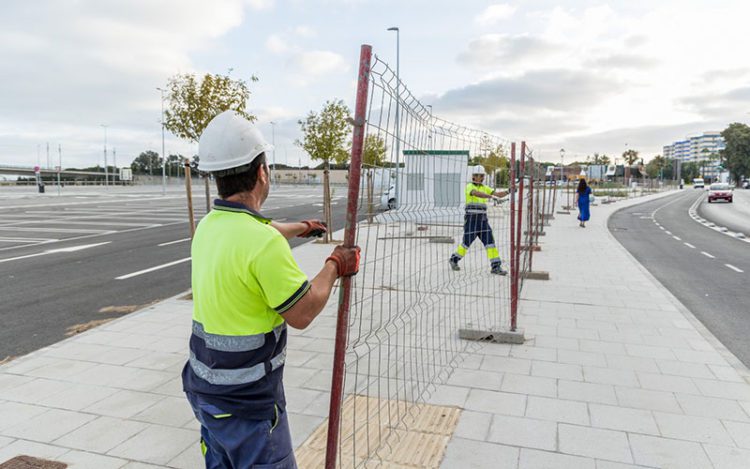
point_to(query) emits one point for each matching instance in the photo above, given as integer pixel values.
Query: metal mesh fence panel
(435, 258)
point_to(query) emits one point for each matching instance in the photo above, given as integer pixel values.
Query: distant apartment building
(700, 148)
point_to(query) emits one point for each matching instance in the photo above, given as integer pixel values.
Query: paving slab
(612, 376)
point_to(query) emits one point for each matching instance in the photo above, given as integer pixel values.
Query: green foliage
(630, 156)
(147, 162)
(175, 165)
(495, 160)
(736, 156)
(373, 155)
(655, 167)
(324, 135)
(192, 102)
(598, 159)
(690, 171)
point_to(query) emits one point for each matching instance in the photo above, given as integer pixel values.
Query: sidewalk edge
(731, 358)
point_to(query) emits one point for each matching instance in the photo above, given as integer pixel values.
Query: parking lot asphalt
(72, 261)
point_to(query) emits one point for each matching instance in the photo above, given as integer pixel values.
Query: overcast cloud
(578, 75)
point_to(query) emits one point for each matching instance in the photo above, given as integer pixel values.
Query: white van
(698, 183)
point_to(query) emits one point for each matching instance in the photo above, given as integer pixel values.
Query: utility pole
(163, 154)
(562, 165)
(59, 167)
(429, 106)
(398, 123)
(273, 143)
(47, 155)
(114, 163)
(106, 171)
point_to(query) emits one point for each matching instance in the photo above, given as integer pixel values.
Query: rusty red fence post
(538, 230)
(519, 224)
(513, 246)
(350, 237)
(530, 231)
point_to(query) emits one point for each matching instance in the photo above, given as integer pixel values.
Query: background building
(702, 149)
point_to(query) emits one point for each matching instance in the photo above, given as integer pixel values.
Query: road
(67, 262)
(705, 269)
(734, 216)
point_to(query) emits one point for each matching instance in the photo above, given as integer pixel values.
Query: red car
(719, 191)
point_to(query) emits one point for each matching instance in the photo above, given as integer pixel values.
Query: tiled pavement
(615, 374)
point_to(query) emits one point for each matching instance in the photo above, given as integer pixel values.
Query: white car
(698, 183)
(388, 199)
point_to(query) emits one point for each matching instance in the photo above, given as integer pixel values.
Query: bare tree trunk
(370, 207)
(327, 202)
(189, 191)
(207, 178)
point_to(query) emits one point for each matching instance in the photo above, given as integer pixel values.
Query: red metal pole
(533, 231)
(519, 223)
(513, 246)
(350, 232)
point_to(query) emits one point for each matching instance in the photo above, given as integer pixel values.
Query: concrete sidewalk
(615, 374)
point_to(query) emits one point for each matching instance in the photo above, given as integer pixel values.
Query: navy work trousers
(230, 442)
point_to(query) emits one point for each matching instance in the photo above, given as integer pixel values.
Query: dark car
(719, 191)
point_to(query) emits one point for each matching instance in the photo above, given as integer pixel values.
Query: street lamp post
(429, 107)
(398, 123)
(562, 164)
(106, 173)
(273, 143)
(163, 154)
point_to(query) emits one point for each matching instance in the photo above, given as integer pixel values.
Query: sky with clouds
(587, 76)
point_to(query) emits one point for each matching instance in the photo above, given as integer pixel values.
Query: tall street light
(163, 154)
(562, 165)
(106, 173)
(273, 143)
(429, 107)
(398, 123)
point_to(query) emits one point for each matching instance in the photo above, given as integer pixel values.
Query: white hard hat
(229, 141)
(478, 170)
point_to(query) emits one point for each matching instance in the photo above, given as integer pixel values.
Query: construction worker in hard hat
(246, 288)
(476, 224)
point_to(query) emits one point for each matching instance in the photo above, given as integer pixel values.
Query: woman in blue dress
(582, 199)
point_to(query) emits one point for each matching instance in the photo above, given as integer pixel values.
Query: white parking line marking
(51, 230)
(175, 242)
(158, 267)
(734, 268)
(677, 238)
(669, 233)
(55, 251)
(690, 245)
(708, 255)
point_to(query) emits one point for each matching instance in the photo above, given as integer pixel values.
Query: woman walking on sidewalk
(582, 199)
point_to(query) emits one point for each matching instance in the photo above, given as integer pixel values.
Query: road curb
(731, 359)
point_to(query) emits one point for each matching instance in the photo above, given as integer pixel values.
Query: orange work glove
(315, 228)
(346, 259)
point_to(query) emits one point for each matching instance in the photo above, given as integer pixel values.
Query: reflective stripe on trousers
(236, 376)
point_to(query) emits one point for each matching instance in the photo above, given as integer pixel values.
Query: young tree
(690, 171)
(325, 138)
(148, 162)
(598, 159)
(655, 167)
(192, 102)
(325, 135)
(736, 156)
(630, 156)
(373, 155)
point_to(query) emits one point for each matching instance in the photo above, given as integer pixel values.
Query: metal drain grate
(28, 462)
